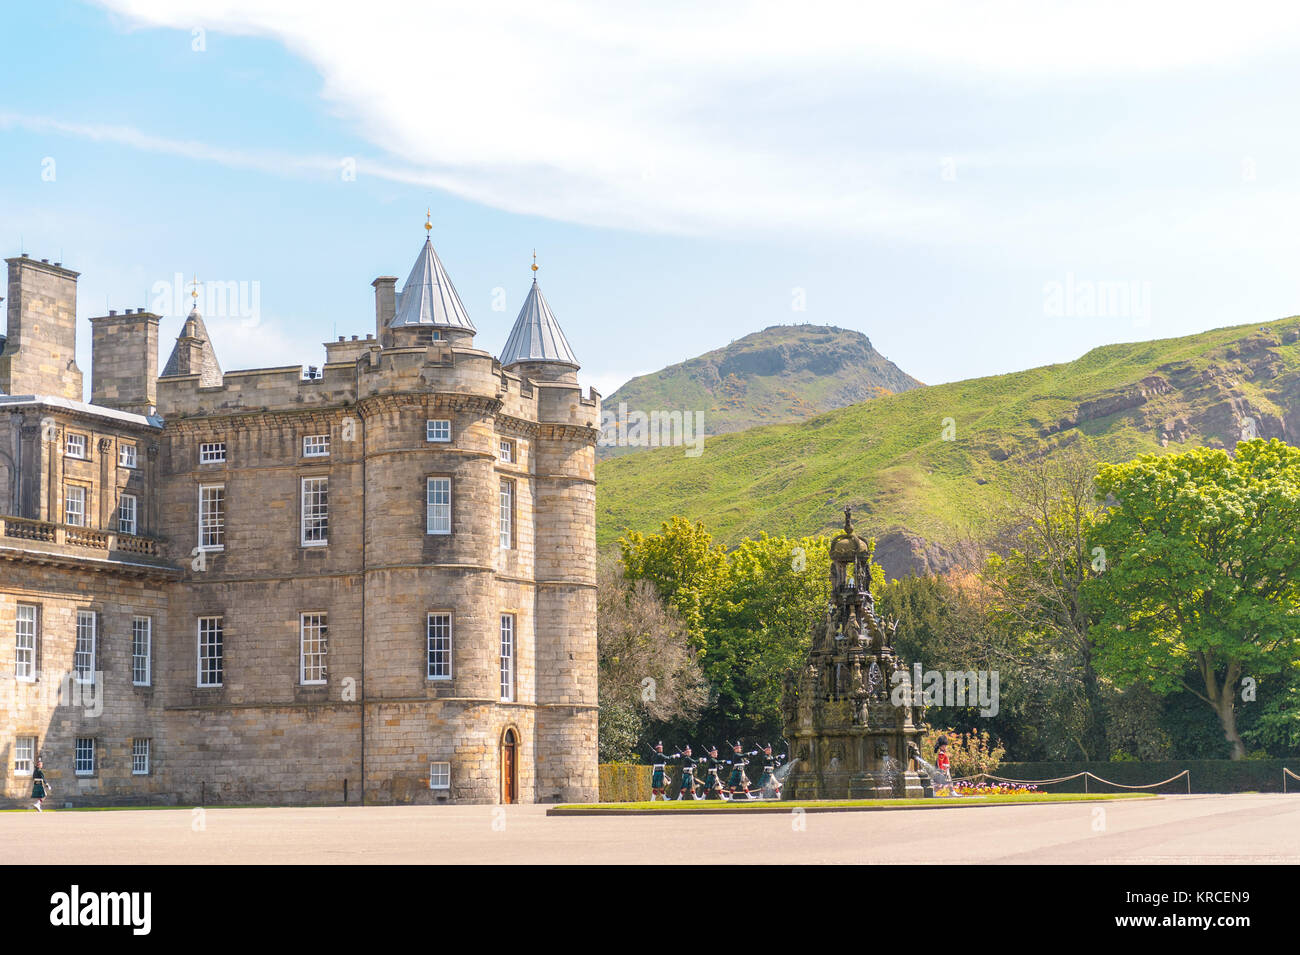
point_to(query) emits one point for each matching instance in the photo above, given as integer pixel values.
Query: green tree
(760, 626)
(1037, 575)
(1202, 572)
(686, 567)
(648, 671)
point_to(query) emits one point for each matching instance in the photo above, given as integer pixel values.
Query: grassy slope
(886, 457)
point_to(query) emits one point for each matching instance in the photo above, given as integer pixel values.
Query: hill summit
(782, 374)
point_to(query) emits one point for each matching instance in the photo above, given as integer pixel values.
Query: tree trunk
(1228, 717)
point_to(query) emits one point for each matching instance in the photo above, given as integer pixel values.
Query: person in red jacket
(944, 765)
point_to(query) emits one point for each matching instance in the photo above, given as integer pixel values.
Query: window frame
(18, 758)
(84, 453)
(82, 674)
(212, 452)
(219, 644)
(135, 511)
(431, 481)
(135, 756)
(506, 514)
(324, 440)
(147, 656)
(506, 450)
(77, 756)
(219, 529)
(429, 433)
(84, 502)
(302, 512)
(35, 609)
(322, 640)
(122, 455)
(442, 775)
(432, 652)
(509, 648)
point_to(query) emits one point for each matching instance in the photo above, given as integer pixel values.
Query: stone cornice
(372, 405)
(257, 419)
(96, 564)
(568, 432)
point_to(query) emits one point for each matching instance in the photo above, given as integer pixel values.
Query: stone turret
(428, 307)
(193, 354)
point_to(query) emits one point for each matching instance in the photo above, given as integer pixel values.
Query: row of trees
(1149, 609)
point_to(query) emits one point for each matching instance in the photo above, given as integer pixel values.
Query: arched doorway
(509, 766)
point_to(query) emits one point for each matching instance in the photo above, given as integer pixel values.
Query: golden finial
(194, 291)
(534, 261)
(428, 221)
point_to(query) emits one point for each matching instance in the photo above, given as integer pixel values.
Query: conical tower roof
(428, 299)
(193, 354)
(537, 335)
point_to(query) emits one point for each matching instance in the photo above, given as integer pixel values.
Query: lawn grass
(835, 805)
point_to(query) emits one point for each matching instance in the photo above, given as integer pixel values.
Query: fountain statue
(848, 739)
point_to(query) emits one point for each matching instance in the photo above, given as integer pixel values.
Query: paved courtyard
(1247, 828)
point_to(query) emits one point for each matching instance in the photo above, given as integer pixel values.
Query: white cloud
(683, 117)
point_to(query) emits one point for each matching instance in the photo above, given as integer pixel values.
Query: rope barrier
(1085, 774)
(1285, 773)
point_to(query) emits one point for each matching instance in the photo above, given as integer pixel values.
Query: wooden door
(509, 785)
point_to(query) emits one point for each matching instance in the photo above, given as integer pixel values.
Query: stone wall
(56, 710)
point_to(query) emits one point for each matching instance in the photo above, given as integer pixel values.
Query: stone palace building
(375, 582)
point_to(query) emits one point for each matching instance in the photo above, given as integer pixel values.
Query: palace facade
(373, 582)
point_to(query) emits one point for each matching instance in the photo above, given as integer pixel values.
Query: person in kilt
(688, 773)
(768, 784)
(738, 782)
(659, 773)
(40, 787)
(713, 788)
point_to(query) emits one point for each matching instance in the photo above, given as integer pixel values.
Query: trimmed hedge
(624, 782)
(1208, 775)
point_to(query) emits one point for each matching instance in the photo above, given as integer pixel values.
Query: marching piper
(659, 775)
(768, 784)
(738, 782)
(688, 773)
(713, 788)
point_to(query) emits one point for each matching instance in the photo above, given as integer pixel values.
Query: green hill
(920, 493)
(784, 373)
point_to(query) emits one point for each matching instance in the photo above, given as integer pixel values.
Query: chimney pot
(112, 311)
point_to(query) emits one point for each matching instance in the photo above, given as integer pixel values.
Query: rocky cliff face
(1245, 392)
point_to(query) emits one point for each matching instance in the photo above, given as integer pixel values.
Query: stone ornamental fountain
(847, 739)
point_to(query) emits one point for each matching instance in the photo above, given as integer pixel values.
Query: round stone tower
(479, 577)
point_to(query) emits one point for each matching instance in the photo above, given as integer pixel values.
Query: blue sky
(929, 175)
